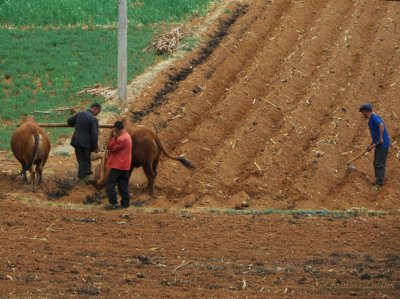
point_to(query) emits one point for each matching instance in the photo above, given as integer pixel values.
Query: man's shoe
(87, 180)
(376, 187)
(111, 206)
(378, 183)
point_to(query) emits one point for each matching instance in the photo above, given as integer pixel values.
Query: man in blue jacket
(85, 137)
(380, 138)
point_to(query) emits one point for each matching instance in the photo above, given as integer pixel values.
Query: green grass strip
(335, 214)
(305, 213)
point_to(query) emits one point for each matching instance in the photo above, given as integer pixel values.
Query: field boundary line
(306, 213)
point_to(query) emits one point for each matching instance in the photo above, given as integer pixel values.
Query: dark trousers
(380, 164)
(83, 158)
(120, 178)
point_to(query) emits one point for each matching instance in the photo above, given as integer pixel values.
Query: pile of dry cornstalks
(168, 42)
(60, 110)
(98, 90)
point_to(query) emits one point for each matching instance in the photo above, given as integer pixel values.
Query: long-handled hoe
(350, 165)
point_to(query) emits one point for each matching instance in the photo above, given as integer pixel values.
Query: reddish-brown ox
(146, 152)
(31, 146)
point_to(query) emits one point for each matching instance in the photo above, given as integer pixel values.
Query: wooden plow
(65, 125)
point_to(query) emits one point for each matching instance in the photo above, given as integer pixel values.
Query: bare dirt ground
(267, 108)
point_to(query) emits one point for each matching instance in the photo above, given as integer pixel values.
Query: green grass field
(95, 12)
(51, 49)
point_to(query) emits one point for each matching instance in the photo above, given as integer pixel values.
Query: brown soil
(267, 108)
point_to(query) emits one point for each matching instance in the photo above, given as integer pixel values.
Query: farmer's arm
(72, 120)
(116, 144)
(381, 130)
(94, 132)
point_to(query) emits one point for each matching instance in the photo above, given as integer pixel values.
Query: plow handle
(65, 125)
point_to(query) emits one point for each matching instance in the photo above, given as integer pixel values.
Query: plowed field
(267, 109)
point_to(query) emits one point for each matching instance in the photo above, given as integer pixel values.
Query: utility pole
(122, 49)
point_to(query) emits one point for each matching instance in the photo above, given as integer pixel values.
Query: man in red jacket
(119, 161)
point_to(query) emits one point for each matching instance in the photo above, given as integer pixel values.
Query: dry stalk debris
(107, 92)
(168, 42)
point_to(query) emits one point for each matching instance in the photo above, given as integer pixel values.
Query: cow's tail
(35, 149)
(184, 161)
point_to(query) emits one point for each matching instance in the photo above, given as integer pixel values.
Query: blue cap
(366, 107)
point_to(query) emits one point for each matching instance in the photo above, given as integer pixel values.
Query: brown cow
(31, 146)
(146, 152)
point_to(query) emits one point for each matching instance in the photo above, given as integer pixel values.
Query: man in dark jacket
(85, 137)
